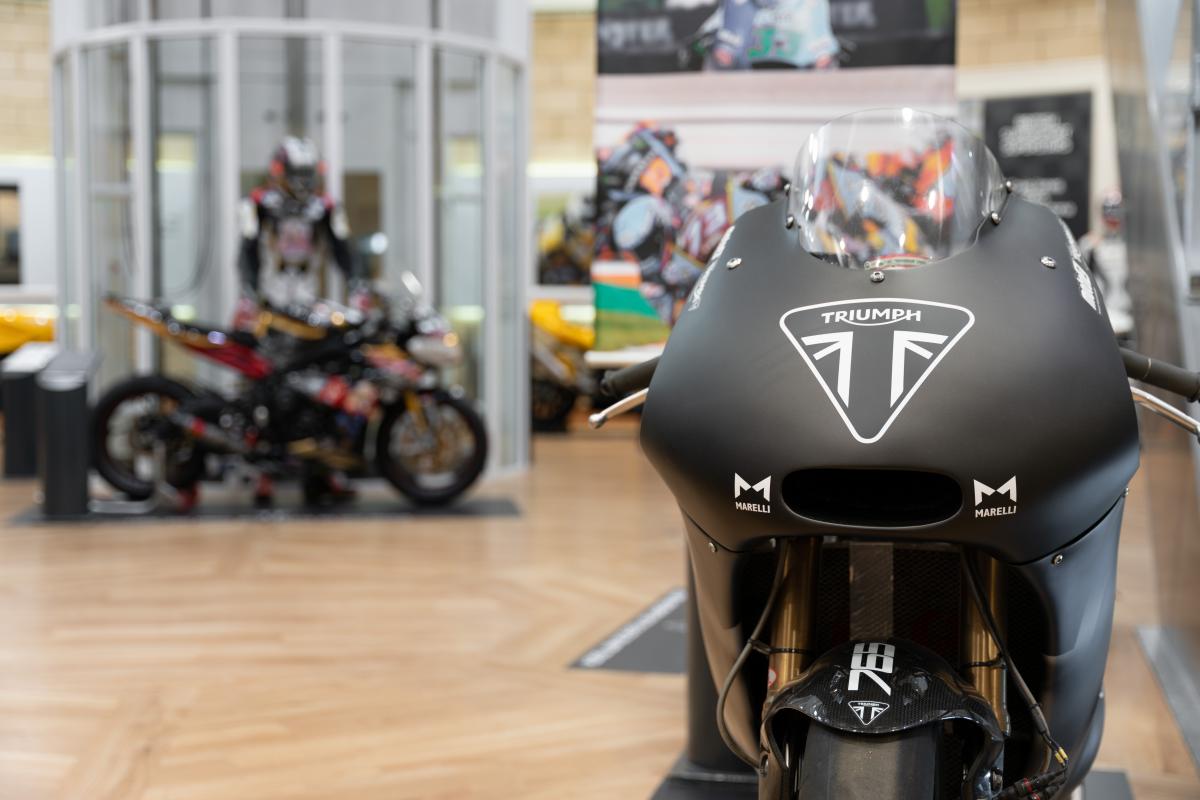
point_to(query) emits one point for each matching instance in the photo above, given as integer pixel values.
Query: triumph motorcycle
(325, 388)
(900, 432)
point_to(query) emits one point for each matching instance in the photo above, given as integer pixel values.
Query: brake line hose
(722, 728)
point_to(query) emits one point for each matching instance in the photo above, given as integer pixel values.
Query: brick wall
(563, 86)
(25, 78)
(992, 32)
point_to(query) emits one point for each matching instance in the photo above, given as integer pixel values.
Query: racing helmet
(296, 167)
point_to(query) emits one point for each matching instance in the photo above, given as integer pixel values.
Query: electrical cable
(1051, 780)
(733, 746)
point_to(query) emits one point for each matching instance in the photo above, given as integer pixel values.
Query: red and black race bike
(325, 389)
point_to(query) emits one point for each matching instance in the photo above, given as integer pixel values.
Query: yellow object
(21, 324)
(546, 315)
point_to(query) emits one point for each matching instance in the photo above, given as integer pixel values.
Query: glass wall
(514, 337)
(186, 258)
(68, 318)
(379, 132)
(279, 95)
(459, 206)
(109, 144)
(417, 107)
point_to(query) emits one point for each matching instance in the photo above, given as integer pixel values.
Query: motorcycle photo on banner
(902, 469)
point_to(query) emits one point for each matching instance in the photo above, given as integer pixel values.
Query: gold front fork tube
(984, 667)
(794, 618)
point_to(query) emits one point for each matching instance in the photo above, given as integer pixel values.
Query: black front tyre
(850, 766)
(433, 456)
(127, 425)
(550, 404)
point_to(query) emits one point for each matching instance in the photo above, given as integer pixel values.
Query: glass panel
(280, 95)
(410, 12)
(10, 235)
(112, 12)
(187, 260)
(110, 249)
(513, 413)
(379, 140)
(472, 17)
(459, 111)
(68, 303)
(256, 8)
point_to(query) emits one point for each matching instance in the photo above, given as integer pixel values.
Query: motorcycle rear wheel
(118, 453)
(847, 766)
(434, 460)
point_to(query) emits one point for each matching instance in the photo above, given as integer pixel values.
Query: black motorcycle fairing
(1075, 598)
(1027, 384)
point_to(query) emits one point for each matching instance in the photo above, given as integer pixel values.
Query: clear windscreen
(892, 188)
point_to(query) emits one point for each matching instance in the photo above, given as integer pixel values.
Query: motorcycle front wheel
(129, 423)
(434, 454)
(847, 766)
(550, 403)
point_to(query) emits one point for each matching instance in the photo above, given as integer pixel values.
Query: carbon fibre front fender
(885, 687)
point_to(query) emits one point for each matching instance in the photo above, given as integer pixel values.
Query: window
(10, 235)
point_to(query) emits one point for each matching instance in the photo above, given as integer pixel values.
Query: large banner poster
(701, 107)
(1044, 146)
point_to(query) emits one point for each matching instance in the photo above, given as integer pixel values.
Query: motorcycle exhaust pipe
(208, 433)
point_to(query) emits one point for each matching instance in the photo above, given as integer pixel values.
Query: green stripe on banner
(625, 319)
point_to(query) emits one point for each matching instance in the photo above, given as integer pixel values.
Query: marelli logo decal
(763, 488)
(983, 492)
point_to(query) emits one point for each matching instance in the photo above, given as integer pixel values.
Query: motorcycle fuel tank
(978, 400)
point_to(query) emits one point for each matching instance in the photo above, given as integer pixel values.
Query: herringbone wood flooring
(401, 658)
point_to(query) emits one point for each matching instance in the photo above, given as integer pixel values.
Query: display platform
(1177, 667)
(653, 641)
(687, 782)
(221, 503)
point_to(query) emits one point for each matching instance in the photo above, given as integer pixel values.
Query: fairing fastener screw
(877, 276)
(995, 217)
(1048, 262)
(1058, 559)
(733, 263)
(712, 547)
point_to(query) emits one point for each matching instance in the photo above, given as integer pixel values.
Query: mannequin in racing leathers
(289, 230)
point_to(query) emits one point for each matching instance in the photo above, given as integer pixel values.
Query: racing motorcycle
(756, 34)
(900, 432)
(559, 375)
(325, 388)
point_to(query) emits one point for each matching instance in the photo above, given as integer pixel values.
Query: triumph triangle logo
(871, 355)
(867, 711)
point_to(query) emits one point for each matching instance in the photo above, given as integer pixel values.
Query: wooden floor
(404, 658)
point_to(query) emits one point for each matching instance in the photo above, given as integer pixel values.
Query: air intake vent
(872, 498)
